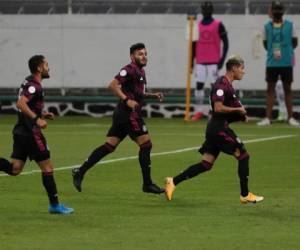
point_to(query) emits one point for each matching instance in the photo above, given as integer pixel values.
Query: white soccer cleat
(293, 122)
(264, 122)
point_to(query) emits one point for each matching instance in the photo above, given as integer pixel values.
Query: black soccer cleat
(153, 188)
(77, 178)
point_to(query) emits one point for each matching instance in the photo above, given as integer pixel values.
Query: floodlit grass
(113, 213)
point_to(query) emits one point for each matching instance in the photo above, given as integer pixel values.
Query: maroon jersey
(33, 91)
(223, 91)
(133, 82)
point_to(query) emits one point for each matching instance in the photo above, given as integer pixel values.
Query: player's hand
(242, 110)
(48, 115)
(132, 104)
(41, 123)
(246, 118)
(159, 96)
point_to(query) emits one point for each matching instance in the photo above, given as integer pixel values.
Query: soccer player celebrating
(28, 138)
(226, 108)
(129, 85)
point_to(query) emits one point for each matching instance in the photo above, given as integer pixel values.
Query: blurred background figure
(208, 53)
(279, 40)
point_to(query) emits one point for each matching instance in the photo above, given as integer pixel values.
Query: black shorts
(134, 126)
(224, 140)
(285, 73)
(33, 146)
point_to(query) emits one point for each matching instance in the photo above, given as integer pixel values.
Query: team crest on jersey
(123, 72)
(220, 92)
(31, 89)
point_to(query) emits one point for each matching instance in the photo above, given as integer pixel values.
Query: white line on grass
(157, 154)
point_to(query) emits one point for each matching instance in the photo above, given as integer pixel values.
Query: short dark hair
(34, 62)
(234, 61)
(277, 6)
(207, 6)
(136, 46)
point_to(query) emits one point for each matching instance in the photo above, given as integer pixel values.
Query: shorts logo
(144, 128)
(123, 72)
(31, 89)
(220, 92)
(141, 79)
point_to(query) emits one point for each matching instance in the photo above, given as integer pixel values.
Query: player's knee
(207, 165)
(199, 85)
(47, 171)
(146, 145)
(16, 169)
(110, 148)
(242, 155)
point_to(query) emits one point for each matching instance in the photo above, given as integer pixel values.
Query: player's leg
(115, 135)
(98, 153)
(287, 79)
(19, 156)
(13, 168)
(229, 143)
(203, 166)
(201, 75)
(281, 101)
(272, 75)
(50, 186)
(243, 172)
(145, 145)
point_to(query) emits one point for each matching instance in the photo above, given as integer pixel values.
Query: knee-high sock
(96, 156)
(243, 171)
(6, 166)
(50, 186)
(145, 162)
(193, 171)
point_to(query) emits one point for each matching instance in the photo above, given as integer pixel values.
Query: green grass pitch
(112, 212)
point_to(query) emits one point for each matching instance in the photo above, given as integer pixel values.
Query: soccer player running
(29, 141)
(226, 108)
(129, 85)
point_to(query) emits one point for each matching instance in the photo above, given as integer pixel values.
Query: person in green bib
(279, 40)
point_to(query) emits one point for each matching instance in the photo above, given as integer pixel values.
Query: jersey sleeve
(29, 91)
(124, 74)
(218, 94)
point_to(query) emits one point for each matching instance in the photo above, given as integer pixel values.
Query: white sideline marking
(156, 154)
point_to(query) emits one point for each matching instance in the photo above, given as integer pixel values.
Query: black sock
(96, 156)
(192, 171)
(243, 171)
(145, 162)
(50, 186)
(6, 166)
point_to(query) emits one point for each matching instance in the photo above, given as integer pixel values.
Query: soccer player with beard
(226, 108)
(129, 85)
(29, 141)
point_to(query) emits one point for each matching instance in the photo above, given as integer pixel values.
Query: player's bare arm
(114, 86)
(22, 105)
(219, 107)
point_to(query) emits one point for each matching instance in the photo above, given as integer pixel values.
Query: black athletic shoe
(153, 188)
(77, 178)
